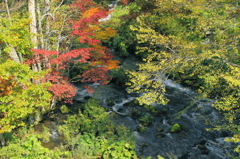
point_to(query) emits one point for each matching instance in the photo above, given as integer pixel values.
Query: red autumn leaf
(98, 58)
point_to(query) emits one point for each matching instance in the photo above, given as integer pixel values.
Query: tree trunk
(2, 140)
(47, 33)
(14, 55)
(33, 30)
(40, 31)
(8, 12)
(33, 24)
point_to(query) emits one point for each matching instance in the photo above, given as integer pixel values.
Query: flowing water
(192, 141)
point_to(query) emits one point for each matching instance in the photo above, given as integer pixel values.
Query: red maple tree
(87, 29)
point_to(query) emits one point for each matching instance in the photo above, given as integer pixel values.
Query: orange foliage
(6, 86)
(105, 34)
(100, 49)
(92, 28)
(112, 64)
(90, 12)
(99, 33)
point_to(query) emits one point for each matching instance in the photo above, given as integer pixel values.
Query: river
(191, 141)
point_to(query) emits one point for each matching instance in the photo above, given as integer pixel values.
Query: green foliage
(172, 156)
(136, 113)
(132, 103)
(150, 108)
(119, 76)
(160, 157)
(104, 3)
(26, 144)
(92, 119)
(25, 99)
(120, 46)
(89, 134)
(121, 19)
(153, 90)
(110, 102)
(235, 138)
(96, 134)
(77, 68)
(146, 119)
(15, 33)
(64, 109)
(195, 42)
(119, 11)
(141, 128)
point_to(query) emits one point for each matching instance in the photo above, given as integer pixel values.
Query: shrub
(96, 134)
(146, 119)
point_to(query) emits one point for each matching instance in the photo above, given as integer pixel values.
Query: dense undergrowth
(87, 134)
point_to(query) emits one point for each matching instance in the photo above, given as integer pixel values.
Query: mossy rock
(175, 128)
(152, 109)
(136, 113)
(160, 157)
(146, 144)
(160, 129)
(64, 109)
(202, 147)
(163, 111)
(110, 102)
(160, 134)
(146, 120)
(141, 129)
(146, 106)
(183, 127)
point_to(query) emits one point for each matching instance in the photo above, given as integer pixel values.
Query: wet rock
(162, 111)
(160, 134)
(135, 113)
(146, 144)
(215, 150)
(148, 150)
(202, 147)
(132, 103)
(110, 102)
(160, 129)
(222, 141)
(118, 101)
(120, 110)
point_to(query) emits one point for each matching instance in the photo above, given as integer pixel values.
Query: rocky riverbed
(153, 126)
(175, 130)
